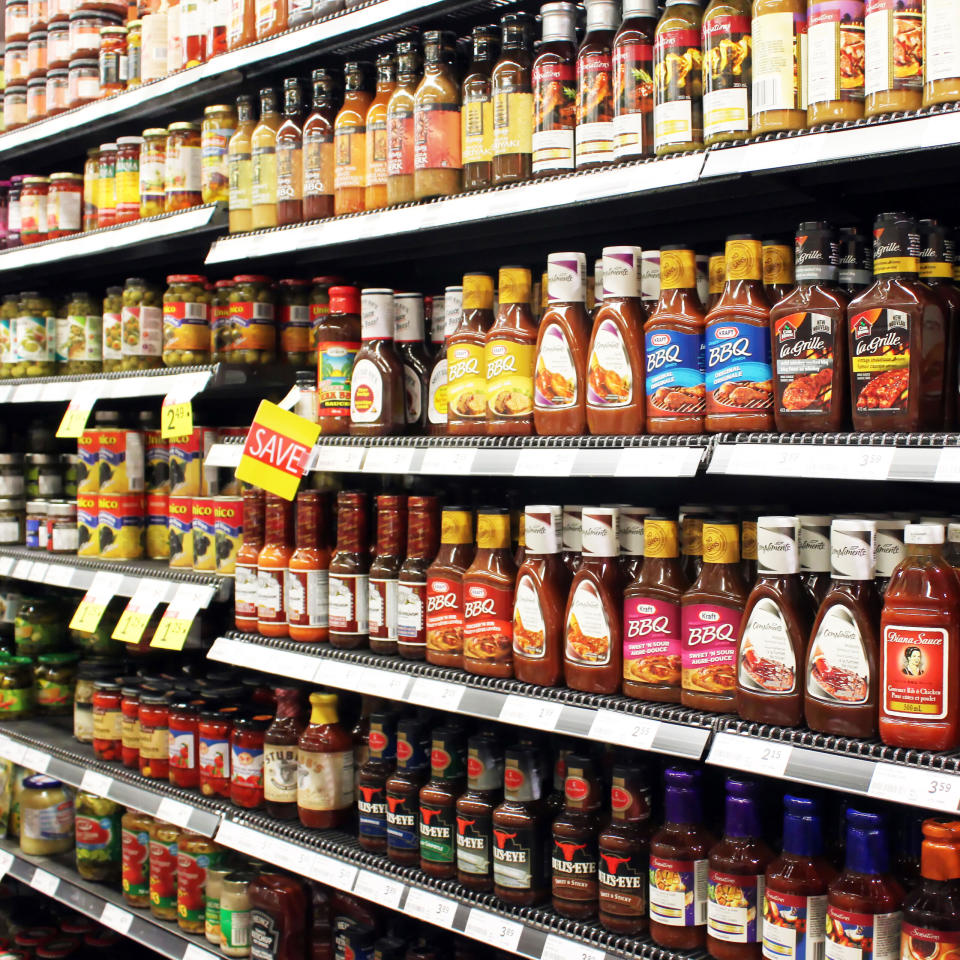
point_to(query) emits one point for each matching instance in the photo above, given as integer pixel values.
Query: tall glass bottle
(349, 568)
(240, 167)
(512, 97)
(438, 798)
(554, 81)
(306, 582)
(435, 413)
(280, 754)
(633, 81)
(437, 158)
(290, 156)
(263, 150)
(376, 143)
(678, 79)
(400, 124)
(391, 536)
(423, 541)
(372, 782)
(271, 568)
(318, 152)
(325, 781)
(443, 619)
(350, 141)
(476, 117)
(595, 91)
(475, 812)
(574, 859)
(726, 70)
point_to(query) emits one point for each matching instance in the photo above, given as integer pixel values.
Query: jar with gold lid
(182, 168)
(219, 125)
(113, 60)
(134, 53)
(128, 178)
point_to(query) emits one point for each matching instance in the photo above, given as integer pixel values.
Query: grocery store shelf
(661, 728)
(50, 748)
(77, 573)
(56, 877)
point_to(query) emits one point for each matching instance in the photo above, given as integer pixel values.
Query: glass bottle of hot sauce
(271, 567)
(488, 593)
(633, 81)
(930, 911)
(574, 884)
(814, 548)
(726, 71)
(306, 584)
(615, 364)
(555, 91)
(711, 616)
(593, 644)
(739, 387)
(263, 151)
(795, 891)
(325, 782)
(571, 537)
(808, 332)
(623, 848)
(775, 630)
(474, 811)
(408, 330)
(476, 117)
(245, 576)
(280, 754)
(508, 354)
(350, 140)
(777, 270)
(595, 91)
(919, 691)
(559, 396)
(863, 903)
(380, 764)
(338, 341)
(444, 614)
(438, 798)
(318, 158)
(841, 664)
(466, 368)
(382, 607)
(403, 793)
(737, 866)
(290, 156)
(512, 96)
(897, 337)
(377, 404)
(674, 347)
(521, 831)
(677, 91)
(240, 167)
(651, 617)
(376, 137)
(539, 605)
(779, 66)
(423, 541)
(400, 124)
(678, 865)
(437, 159)
(348, 606)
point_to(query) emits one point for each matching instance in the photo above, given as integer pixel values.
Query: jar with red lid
(154, 736)
(85, 27)
(107, 720)
(37, 54)
(182, 751)
(58, 46)
(64, 204)
(130, 727)
(16, 21)
(214, 727)
(37, 14)
(16, 64)
(58, 11)
(113, 60)
(83, 82)
(33, 209)
(37, 102)
(246, 760)
(14, 107)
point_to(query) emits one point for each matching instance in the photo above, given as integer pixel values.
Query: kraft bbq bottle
(623, 849)
(423, 535)
(809, 345)
(474, 812)
(438, 798)
(380, 764)
(382, 606)
(574, 858)
(403, 793)
(444, 613)
(930, 911)
(897, 337)
(678, 865)
(521, 831)
(348, 577)
(377, 404)
(555, 91)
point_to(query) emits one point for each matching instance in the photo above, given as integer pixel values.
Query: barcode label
(766, 93)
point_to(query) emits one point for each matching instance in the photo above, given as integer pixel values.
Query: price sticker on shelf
(23, 570)
(95, 783)
(528, 712)
(430, 907)
(448, 460)
(36, 760)
(78, 411)
(767, 757)
(611, 726)
(490, 928)
(6, 862)
(11, 750)
(921, 788)
(116, 918)
(334, 458)
(58, 575)
(560, 948)
(436, 693)
(388, 460)
(6, 565)
(102, 590)
(175, 812)
(544, 462)
(174, 626)
(378, 889)
(44, 882)
(176, 419)
(948, 466)
(133, 621)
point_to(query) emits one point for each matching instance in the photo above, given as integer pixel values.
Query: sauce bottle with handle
(555, 91)
(863, 903)
(437, 410)
(931, 912)
(474, 811)
(737, 868)
(841, 668)
(633, 81)
(615, 364)
(595, 91)
(795, 892)
(571, 537)
(574, 859)
(559, 403)
(919, 687)
(476, 116)
(775, 629)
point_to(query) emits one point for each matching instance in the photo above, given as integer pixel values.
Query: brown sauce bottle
(348, 577)
(476, 116)
(466, 368)
(438, 798)
(377, 405)
(325, 772)
(336, 335)
(596, 95)
(512, 96)
(423, 534)
(630, 536)
(280, 754)
(444, 612)
(318, 159)
(691, 540)
(400, 124)
(778, 277)
(382, 607)
(574, 859)
(474, 812)
(380, 764)
(572, 537)
(403, 793)
(409, 332)
(555, 91)
(290, 156)
(814, 548)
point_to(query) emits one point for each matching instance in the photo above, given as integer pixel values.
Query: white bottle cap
(541, 528)
(599, 526)
(924, 533)
(621, 272)
(852, 549)
(376, 314)
(566, 278)
(777, 553)
(572, 530)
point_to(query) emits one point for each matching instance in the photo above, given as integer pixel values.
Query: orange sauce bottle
(376, 137)
(245, 570)
(306, 584)
(272, 567)
(466, 370)
(271, 18)
(350, 142)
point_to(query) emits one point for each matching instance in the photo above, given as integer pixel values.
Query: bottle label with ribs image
(738, 367)
(444, 614)
(880, 360)
(473, 843)
(803, 344)
(675, 372)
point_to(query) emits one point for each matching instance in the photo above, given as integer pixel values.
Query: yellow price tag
(136, 615)
(74, 421)
(176, 420)
(102, 589)
(171, 634)
(130, 626)
(87, 616)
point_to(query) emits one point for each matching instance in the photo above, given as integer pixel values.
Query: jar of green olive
(9, 311)
(80, 336)
(296, 337)
(186, 321)
(34, 337)
(141, 326)
(219, 319)
(112, 326)
(55, 680)
(39, 627)
(98, 837)
(43, 476)
(70, 463)
(250, 336)
(16, 688)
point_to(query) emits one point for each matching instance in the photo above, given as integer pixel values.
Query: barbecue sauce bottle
(380, 764)
(280, 755)
(413, 355)
(422, 544)
(554, 84)
(348, 603)
(403, 793)
(444, 613)
(377, 404)
(438, 798)
(574, 858)
(466, 367)
(814, 548)
(474, 811)
(391, 534)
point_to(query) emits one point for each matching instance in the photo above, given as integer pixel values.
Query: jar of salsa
(130, 726)
(107, 720)
(182, 742)
(246, 760)
(64, 203)
(214, 727)
(154, 735)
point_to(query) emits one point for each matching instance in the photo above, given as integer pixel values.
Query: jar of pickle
(33, 209)
(16, 688)
(9, 311)
(164, 838)
(91, 174)
(36, 99)
(219, 125)
(112, 327)
(250, 336)
(39, 627)
(58, 96)
(64, 203)
(34, 336)
(296, 336)
(128, 178)
(83, 81)
(113, 60)
(107, 185)
(37, 54)
(135, 845)
(58, 45)
(14, 108)
(142, 326)
(153, 156)
(182, 170)
(186, 321)
(219, 319)
(80, 337)
(16, 64)
(43, 476)
(16, 21)
(98, 838)
(134, 53)
(55, 681)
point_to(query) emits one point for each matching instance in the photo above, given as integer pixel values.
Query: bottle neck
(323, 713)
(288, 704)
(559, 26)
(244, 112)
(353, 82)
(390, 526)
(278, 524)
(351, 529)
(386, 78)
(268, 106)
(322, 95)
(308, 525)
(292, 105)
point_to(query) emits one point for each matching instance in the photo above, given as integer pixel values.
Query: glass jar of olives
(55, 679)
(80, 336)
(34, 337)
(296, 337)
(112, 330)
(219, 319)
(186, 321)
(9, 311)
(16, 688)
(250, 336)
(142, 326)
(39, 627)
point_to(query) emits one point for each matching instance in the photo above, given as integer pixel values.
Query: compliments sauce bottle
(423, 534)
(307, 585)
(571, 537)
(488, 593)
(382, 583)
(403, 793)
(651, 617)
(325, 782)
(540, 601)
(711, 616)
(443, 618)
(245, 576)
(377, 396)
(775, 629)
(474, 811)
(438, 798)
(272, 567)
(348, 578)
(593, 645)
(466, 367)
(574, 858)
(631, 522)
(380, 764)
(814, 548)
(931, 922)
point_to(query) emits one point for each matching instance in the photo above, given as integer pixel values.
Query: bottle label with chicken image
(554, 116)
(726, 75)
(678, 892)
(803, 344)
(594, 108)
(609, 371)
(509, 368)
(555, 384)
(793, 926)
(880, 360)
(675, 373)
(738, 371)
(633, 86)
(677, 85)
(835, 51)
(588, 634)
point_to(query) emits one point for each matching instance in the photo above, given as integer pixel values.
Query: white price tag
(35, 760)
(173, 811)
(45, 882)
(337, 459)
(23, 570)
(95, 783)
(380, 890)
(497, 931)
(116, 919)
(6, 862)
(858, 463)
(528, 712)
(38, 572)
(193, 952)
(767, 460)
(388, 460)
(766, 757)
(540, 462)
(6, 565)
(435, 693)
(338, 874)
(430, 907)
(240, 838)
(658, 462)
(11, 750)
(630, 731)
(386, 683)
(560, 948)
(58, 575)
(948, 466)
(448, 460)
(921, 788)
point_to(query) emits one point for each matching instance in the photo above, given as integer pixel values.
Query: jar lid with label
(37, 508)
(43, 459)
(11, 505)
(11, 459)
(62, 508)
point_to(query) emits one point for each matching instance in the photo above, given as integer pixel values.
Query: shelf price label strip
(174, 626)
(133, 621)
(101, 591)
